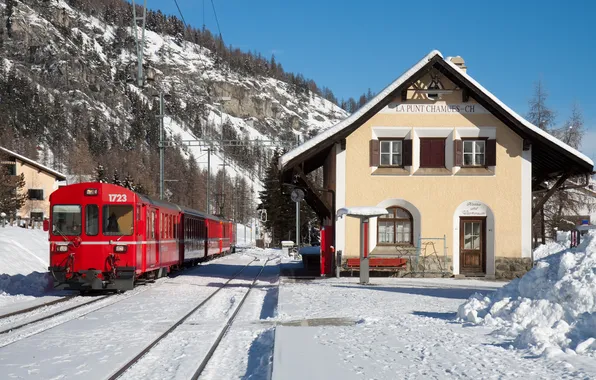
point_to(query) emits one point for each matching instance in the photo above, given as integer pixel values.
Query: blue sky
(350, 46)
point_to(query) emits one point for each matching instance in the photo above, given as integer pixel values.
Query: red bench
(379, 263)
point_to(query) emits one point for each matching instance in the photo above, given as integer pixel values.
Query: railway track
(60, 312)
(33, 308)
(219, 338)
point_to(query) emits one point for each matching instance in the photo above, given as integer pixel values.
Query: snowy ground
(96, 340)
(397, 329)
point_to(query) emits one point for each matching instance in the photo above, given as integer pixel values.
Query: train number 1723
(117, 197)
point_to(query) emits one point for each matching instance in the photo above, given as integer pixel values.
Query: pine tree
(128, 183)
(9, 13)
(116, 178)
(12, 194)
(100, 174)
(275, 199)
(573, 130)
(540, 114)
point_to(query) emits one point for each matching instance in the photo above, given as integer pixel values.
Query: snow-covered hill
(89, 64)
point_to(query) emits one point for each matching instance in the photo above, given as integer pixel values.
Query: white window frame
(391, 153)
(473, 153)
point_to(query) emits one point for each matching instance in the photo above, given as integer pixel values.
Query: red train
(105, 237)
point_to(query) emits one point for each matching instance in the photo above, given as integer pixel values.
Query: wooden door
(472, 243)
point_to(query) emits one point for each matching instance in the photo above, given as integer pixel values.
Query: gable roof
(547, 164)
(56, 174)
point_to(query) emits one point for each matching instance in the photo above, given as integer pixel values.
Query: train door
(151, 246)
(141, 237)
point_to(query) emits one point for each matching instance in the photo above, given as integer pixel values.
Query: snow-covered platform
(399, 329)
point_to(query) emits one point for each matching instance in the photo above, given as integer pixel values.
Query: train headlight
(120, 248)
(62, 248)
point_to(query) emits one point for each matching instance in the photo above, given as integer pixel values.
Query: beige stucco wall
(438, 197)
(36, 179)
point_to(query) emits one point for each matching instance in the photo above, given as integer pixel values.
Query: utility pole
(161, 147)
(139, 42)
(208, 179)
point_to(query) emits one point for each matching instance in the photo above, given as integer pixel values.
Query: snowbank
(33, 284)
(550, 310)
(23, 251)
(551, 248)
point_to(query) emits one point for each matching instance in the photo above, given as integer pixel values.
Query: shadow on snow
(452, 293)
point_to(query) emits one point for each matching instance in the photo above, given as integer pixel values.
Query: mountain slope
(71, 97)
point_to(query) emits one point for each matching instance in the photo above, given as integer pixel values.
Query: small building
(40, 182)
(448, 160)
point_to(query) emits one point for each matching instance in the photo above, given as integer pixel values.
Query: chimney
(459, 62)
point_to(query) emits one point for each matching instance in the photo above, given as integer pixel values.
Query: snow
(110, 332)
(23, 251)
(551, 310)
(396, 328)
(361, 211)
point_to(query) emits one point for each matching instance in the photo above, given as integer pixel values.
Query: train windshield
(117, 220)
(66, 220)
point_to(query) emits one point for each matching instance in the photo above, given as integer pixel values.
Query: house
(40, 182)
(449, 161)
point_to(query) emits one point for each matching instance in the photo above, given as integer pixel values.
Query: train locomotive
(106, 237)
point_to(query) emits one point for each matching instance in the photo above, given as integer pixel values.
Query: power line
(179, 11)
(216, 20)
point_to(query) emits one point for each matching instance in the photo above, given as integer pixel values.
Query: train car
(104, 236)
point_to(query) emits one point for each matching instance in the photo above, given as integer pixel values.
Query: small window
(35, 194)
(474, 152)
(395, 228)
(391, 152)
(91, 220)
(11, 169)
(117, 220)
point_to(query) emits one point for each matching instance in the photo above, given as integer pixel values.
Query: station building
(449, 161)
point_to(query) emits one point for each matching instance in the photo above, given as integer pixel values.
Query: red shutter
(458, 152)
(407, 152)
(374, 154)
(432, 153)
(425, 152)
(491, 152)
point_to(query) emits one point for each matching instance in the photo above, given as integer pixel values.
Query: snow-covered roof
(522, 120)
(58, 175)
(356, 115)
(327, 134)
(361, 211)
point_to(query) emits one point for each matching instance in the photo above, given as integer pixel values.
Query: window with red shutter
(432, 152)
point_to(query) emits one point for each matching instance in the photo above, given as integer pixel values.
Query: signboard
(435, 108)
(473, 209)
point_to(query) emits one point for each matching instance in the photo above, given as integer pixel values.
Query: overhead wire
(216, 19)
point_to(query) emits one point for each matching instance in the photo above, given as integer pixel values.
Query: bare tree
(540, 114)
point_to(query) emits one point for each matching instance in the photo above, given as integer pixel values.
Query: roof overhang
(35, 164)
(550, 156)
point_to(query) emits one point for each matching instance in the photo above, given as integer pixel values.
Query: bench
(377, 263)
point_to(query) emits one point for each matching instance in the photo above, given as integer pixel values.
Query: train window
(66, 220)
(138, 212)
(117, 220)
(91, 220)
(174, 228)
(153, 221)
